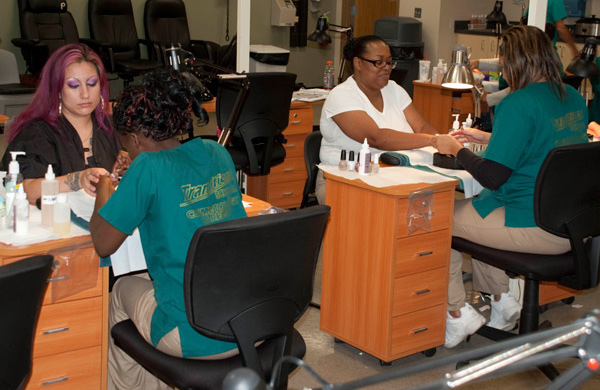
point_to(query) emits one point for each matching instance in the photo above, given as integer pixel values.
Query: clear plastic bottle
(62, 216)
(365, 159)
(49, 194)
(12, 183)
(375, 166)
(328, 79)
(21, 212)
(2, 201)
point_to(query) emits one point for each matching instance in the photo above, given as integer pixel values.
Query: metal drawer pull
(420, 330)
(57, 380)
(287, 193)
(56, 330)
(424, 291)
(56, 279)
(421, 254)
(296, 122)
(288, 170)
(289, 146)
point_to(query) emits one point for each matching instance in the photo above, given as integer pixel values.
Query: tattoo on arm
(72, 181)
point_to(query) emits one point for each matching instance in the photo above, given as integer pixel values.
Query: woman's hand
(89, 179)
(447, 144)
(471, 135)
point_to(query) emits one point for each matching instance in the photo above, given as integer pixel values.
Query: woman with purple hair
(67, 125)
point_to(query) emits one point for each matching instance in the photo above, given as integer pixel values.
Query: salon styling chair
(312, 147)
(45, 26)
(260, 286)
(112, 28)
(22, 288)
(257, 140)
(567, 204)
(14, 96)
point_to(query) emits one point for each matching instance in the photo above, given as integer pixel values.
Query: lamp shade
(497, 16)
(320, 34)
(459, 76)
(585, 66)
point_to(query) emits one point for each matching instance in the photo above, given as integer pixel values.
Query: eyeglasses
(381, 63)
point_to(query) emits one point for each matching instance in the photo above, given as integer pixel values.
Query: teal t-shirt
(555, 11)
(168, 195)
(528, 124)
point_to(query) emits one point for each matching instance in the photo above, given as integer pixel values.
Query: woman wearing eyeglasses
(369, 105)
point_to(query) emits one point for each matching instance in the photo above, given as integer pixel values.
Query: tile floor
(341, 363)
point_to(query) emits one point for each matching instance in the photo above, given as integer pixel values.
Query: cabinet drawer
(442, 213)
(415, 292)
(294, 147)
(421, 253)
(301, 122)
(419, 330)
(286, 195)
(291, 169)
(76, 370)
(65, 326)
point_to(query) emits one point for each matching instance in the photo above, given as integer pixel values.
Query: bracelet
(72, 181)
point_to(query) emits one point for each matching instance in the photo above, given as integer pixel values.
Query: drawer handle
(295, 115)
(56, 279)
(56, 330)
(420, 330)
(288, 170)
(421, 292)
(421, 254)
(287, 194)
(57, 380)
(296, 122)
(289, 146)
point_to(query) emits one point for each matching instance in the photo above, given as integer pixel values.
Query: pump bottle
(13, 182)
(365, 159)
(49, 194)
(3, 223)
(469, 122)
(21, 212)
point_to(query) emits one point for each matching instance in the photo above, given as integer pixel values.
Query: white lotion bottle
(62, 216)
(49, 195)
(365, 159)
(21, 213)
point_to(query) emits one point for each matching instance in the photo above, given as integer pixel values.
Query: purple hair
(44, 105)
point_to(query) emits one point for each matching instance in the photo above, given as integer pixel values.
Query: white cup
(424, 66)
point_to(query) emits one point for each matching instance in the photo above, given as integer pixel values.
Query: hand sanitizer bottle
(365, 159)
(21, 212)
(469, 121)
(49, 194)
(13, 182)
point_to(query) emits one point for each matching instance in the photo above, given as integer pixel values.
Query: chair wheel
(462, 364)
(542, 308)
(337, 341)
(382, 363)
(429, 352)
(569, 300)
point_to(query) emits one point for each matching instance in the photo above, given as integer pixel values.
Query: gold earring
(59, 108)
(102, 100)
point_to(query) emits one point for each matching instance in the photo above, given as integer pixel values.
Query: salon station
(345, 272)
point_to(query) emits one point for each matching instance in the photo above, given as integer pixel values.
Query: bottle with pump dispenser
(62, 216)
(469, 122)
(456, 123)
(3, 223)
(13, 182)
(21, 212)
(49, 193)
(365, 159)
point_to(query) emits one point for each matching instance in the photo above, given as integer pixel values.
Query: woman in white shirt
(369, 105)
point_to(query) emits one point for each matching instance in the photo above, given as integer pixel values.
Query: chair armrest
(104, 51)
(30, 44)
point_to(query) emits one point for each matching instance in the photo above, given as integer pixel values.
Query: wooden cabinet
(385, 288)
(479, 46)
(284, 185)
(70, 345)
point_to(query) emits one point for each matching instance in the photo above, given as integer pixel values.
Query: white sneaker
(505, 312)
(457, 329)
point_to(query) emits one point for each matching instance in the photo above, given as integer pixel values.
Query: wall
(207, 20)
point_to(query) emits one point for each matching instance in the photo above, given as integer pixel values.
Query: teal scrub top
(528, 124)
(168, 195)
(555, 11)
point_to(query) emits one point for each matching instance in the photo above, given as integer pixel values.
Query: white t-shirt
(348, 97)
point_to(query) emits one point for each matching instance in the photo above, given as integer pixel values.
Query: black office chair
(165, 22)
(22, 288)
(45, 26)
(567, 204)
(312, 147)
(112, 28)
(257, 141)
(245, 280)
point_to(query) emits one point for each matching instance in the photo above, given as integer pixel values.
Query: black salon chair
(165, 22)
(45, 26)
(112, 27)
(257, 142)
(22, 288)
(567, 204)
(257, 289)
(312, 147)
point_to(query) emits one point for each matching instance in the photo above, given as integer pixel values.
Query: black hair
(158, 108)
(356, 47)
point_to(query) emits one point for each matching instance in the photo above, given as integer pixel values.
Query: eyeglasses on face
(381, 63)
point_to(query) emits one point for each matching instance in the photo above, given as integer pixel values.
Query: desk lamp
(460, 76)
(498, 19)
(585, 66)
(322, 38)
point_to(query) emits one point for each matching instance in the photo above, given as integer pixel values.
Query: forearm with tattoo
(72, 181)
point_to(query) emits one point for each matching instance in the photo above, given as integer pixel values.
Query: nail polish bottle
(343, 165)
(375, 166)
(351, 161)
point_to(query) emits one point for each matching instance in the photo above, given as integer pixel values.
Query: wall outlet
(417, 12)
